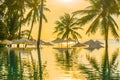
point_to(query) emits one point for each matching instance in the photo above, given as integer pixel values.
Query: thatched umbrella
(41, 41)
(22, 41)
(98, 42)
(48, 44)
(98, 46)
(8, 42)
(69, 40)
(93, 45)
(90, 42)
(58, 40)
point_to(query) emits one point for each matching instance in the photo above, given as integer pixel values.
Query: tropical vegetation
(66, 27)
(100, 14)
(15, 14)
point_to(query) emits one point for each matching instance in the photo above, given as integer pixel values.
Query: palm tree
(39, 37)
(14, 13)
(33, 15)
(67, 27)
(100, 13)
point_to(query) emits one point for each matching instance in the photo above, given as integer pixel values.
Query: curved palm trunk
(38, 41)
(30, 32)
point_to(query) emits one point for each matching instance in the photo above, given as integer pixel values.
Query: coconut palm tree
(33, 15)
(67, 27)
(39, 38)
(14, 13)
(101, 15)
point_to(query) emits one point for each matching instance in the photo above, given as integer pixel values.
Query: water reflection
(59, 64)
(63, 58)
(92, 68)
(68, 59)
(106, 70)
(20, 64)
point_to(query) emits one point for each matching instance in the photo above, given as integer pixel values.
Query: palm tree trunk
(67, 42)
(19, 36)
(38, 42)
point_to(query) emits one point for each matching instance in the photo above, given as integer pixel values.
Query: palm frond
(76, 28)
(83, 12)
(114, 22)
(44, 17)
(94, 26)
(74, 33)
(60, 33)
(47, 9)
(86, 19)
(113, 30)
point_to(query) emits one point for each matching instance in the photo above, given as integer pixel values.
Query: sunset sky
(58, 8)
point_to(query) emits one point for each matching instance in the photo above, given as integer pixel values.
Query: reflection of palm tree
(67, 58)
(13, 66)
(66, 27)
(100, 13)
(34, 66)
(105, 71)
(64, 59)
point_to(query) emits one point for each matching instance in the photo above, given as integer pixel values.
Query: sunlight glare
(66, 1)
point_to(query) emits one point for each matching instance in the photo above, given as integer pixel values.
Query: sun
(67, 1)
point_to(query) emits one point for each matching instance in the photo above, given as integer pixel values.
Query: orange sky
(58, 8)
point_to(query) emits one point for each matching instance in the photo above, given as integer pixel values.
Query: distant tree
(66, 27)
